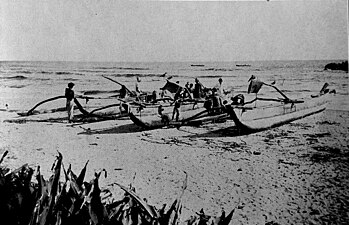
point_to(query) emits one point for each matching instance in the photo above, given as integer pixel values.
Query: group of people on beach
(213, 102)
(213, 97)
(199, 91)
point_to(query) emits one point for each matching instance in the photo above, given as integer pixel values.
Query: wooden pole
(130, 92)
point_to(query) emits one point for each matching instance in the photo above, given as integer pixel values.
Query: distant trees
(337, 66)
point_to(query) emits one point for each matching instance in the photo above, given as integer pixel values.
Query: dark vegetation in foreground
(75, 201)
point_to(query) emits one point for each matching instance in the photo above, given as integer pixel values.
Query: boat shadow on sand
(115, 129)
(215, 130)
(118, 129)
(224, 132)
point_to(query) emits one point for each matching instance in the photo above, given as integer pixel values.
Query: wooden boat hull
(194, 117)
(258, 119)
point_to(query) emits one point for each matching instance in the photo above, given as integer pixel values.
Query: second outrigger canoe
(254, 119)
(247, 117)
(188, 116)
(194, 117)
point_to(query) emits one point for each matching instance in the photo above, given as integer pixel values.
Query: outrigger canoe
(253, 119)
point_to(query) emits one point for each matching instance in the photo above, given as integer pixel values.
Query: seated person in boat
(219, 87)
(238, 99)
(177, 94)
(123, 91)
(208, 101)
(216, 101)
(138, 89)
(180, 93)
(187, 92)
(187, 85)
(154, 96)
(151, 97)
(164, 117)
(124, 108)
(165, 94)
(191, 87)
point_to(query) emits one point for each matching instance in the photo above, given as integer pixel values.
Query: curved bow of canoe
(250, 120)
(138, 122)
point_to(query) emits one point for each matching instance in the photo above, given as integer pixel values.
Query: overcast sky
(173, 31)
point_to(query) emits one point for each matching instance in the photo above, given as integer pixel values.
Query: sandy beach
(294, 174)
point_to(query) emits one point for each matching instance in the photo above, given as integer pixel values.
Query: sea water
(23, 84)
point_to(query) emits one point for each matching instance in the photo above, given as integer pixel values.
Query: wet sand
(294, 174)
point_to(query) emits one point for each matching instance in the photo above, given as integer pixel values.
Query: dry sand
(294, 174)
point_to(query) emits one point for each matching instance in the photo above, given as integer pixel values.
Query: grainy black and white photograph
(174, 112)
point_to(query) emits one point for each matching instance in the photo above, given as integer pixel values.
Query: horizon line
(185, 61)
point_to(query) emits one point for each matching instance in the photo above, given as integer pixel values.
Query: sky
(148, 31)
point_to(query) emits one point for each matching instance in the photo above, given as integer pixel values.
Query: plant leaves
(139, 200)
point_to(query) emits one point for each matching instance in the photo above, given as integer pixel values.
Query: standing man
(137, 87)
(198, 88)
(175, 111)
(69, 94)
(219, 87)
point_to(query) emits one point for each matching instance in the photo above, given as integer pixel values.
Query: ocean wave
(42, 79)
(70, 79)
(137, 75)
(208, 69)
(64, 73)
(221, 69)
(16, 68)
(213, 76)
(17, 86)
(46, 72)
(92, 71)
(95, 92)
(120, 68)
(69, 73)
(24, 71)
(15, 78)
(79, 74)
